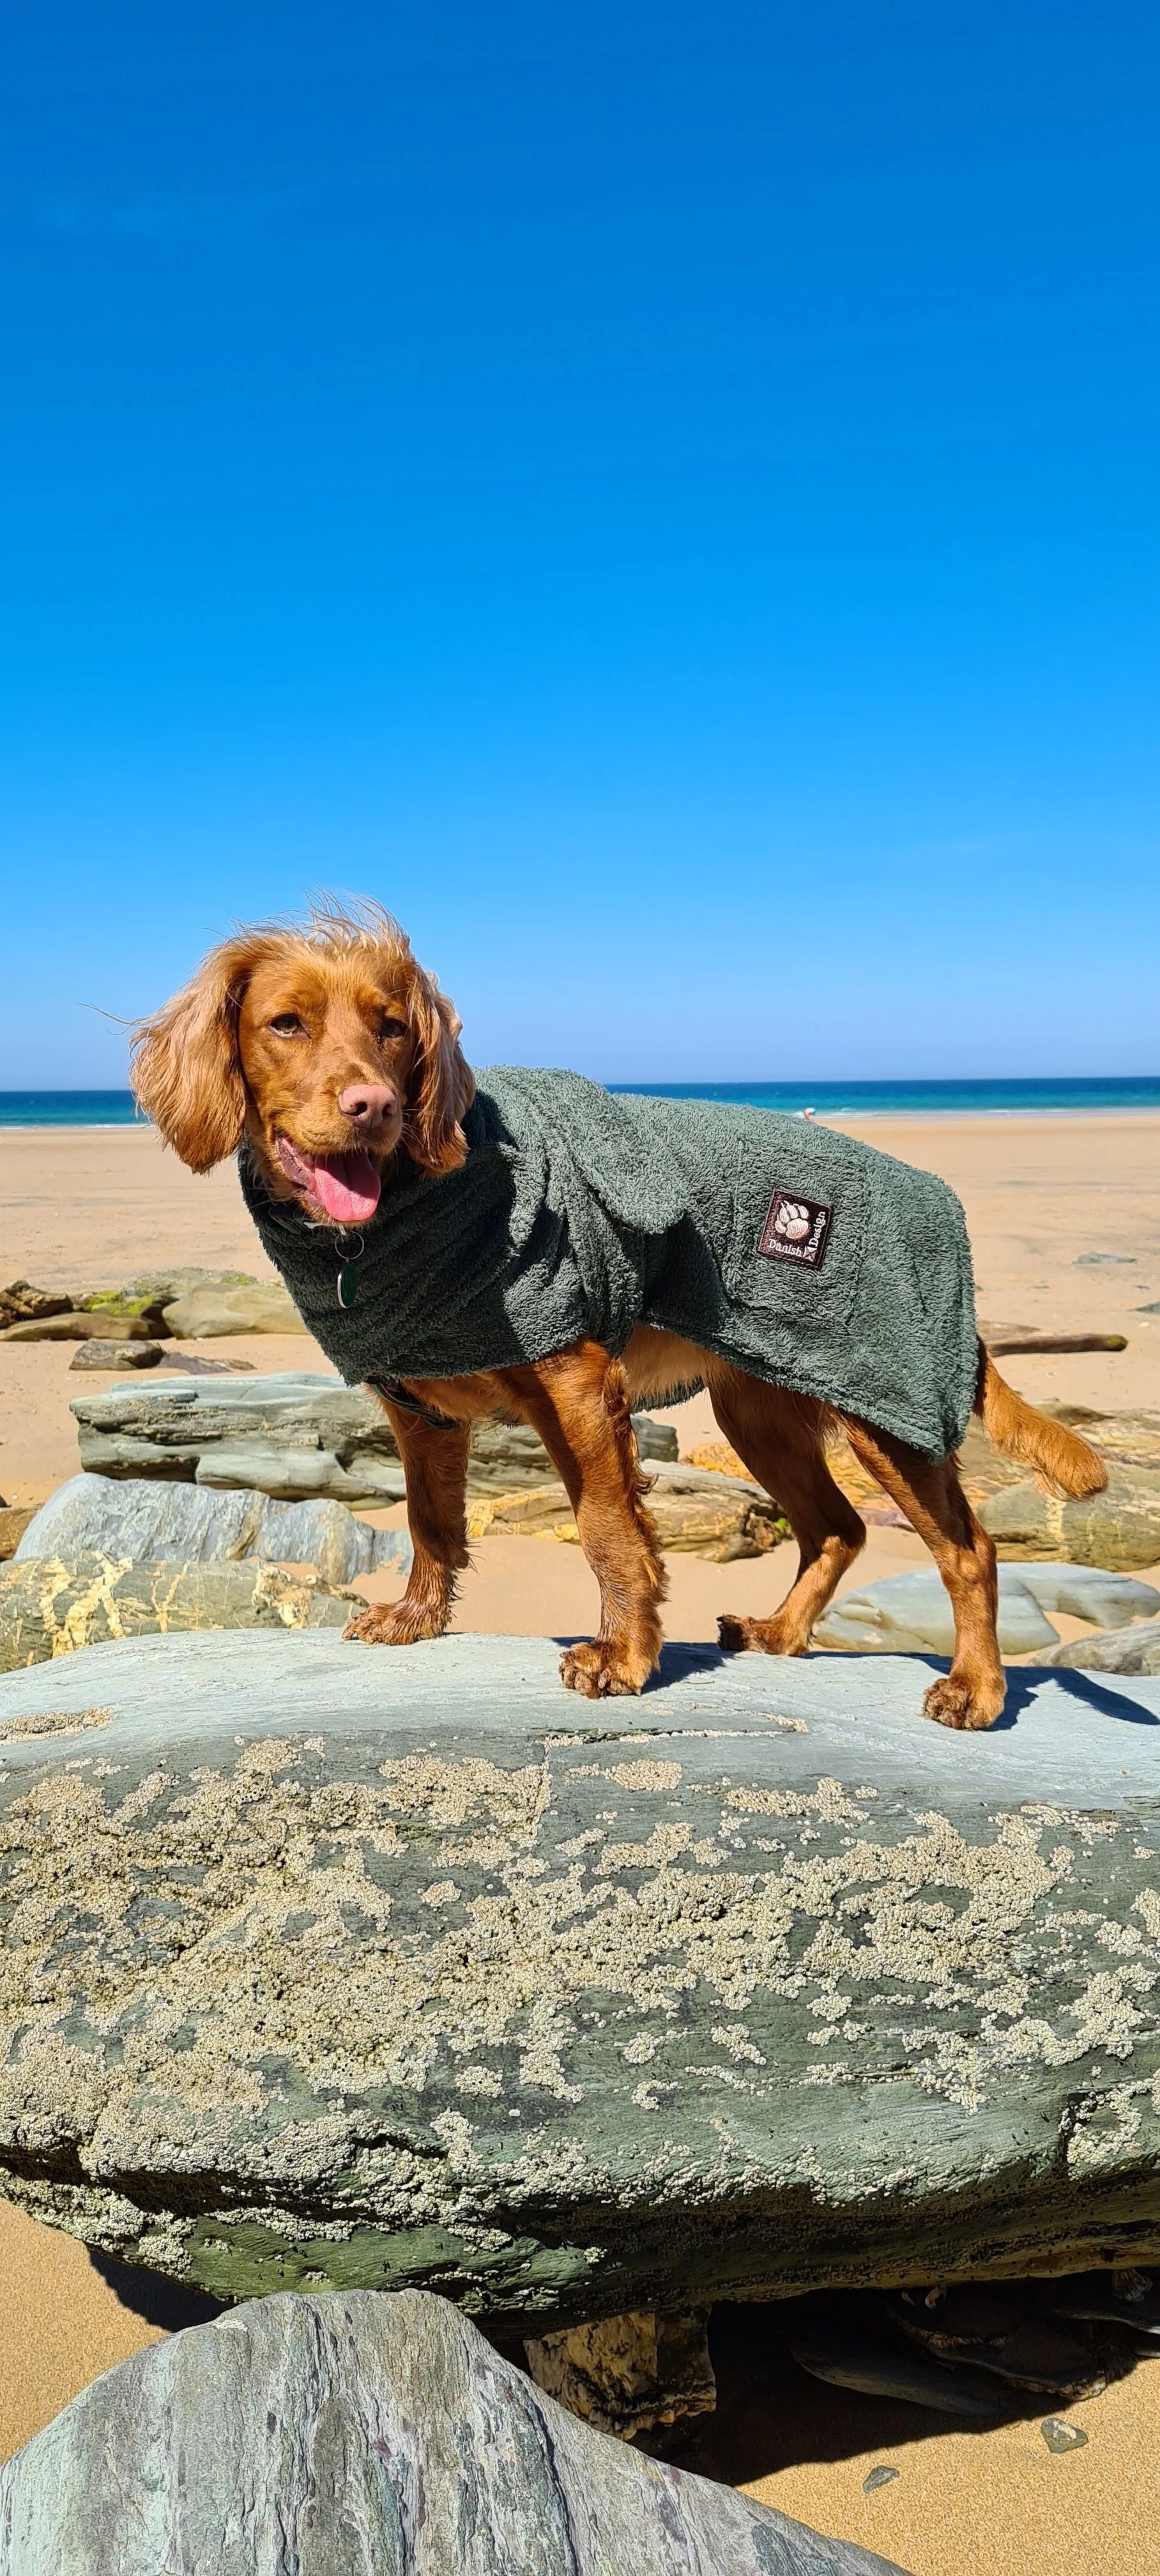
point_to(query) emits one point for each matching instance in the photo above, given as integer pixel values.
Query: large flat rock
(359, 2436)
(340, 1967)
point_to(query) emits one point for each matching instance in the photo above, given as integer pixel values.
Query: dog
(330, 1057)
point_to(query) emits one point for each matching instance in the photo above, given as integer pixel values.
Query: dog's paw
(391, 1623)
(757, 1637)
(602, 1671)
(956, 1703)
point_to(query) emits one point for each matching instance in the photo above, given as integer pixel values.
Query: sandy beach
(1065, 1220)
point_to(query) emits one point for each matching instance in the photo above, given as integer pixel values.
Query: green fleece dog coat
(798, 1254)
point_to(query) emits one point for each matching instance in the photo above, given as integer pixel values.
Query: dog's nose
(368, 1104)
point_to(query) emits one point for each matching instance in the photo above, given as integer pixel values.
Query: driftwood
(365, 2436)
(1004, 1344)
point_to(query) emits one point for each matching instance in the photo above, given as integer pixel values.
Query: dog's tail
(1063, 1462)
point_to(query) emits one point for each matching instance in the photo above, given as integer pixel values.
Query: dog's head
(329, 1047)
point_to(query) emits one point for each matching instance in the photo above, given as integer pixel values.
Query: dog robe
(796, 1253)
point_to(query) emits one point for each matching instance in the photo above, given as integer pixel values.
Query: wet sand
(85, 1208)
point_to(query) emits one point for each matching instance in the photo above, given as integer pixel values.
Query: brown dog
(333, 1054)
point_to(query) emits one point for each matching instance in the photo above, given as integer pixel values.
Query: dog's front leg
(578, 1403)
(435, 1465)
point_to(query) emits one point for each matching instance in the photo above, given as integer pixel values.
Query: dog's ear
(442, 1084)
(185, 1068)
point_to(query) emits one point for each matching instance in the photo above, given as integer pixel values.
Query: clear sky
(663, 496)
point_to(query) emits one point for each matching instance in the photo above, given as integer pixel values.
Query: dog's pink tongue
(347, 1186)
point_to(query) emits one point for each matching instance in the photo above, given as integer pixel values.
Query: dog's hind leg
(781, 1439)
(972, 1693)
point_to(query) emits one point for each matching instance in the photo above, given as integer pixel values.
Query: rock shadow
(156, 2301)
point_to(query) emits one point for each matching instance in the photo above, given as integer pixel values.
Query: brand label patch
(796, 1230)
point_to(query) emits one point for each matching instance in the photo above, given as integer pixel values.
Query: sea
(827, 1099)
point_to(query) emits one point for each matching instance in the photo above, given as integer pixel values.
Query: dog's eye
(392, 1029)
(288, 1025)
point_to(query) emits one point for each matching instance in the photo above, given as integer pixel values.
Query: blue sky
(665, 497)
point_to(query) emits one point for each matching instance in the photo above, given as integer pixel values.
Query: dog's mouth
(346, 1187)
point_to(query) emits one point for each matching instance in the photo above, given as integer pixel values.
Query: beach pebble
(1060, 2436)
(880, 2477)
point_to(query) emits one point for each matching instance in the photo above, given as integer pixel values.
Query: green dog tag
(346, 1284)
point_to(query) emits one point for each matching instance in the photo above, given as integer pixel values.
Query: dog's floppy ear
(185, 1069)
(442, 1084)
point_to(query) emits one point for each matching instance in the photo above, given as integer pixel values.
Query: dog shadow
(686, 1660)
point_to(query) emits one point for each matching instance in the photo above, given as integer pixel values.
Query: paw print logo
(792, 1221)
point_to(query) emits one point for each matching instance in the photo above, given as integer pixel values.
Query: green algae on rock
(332, 1968)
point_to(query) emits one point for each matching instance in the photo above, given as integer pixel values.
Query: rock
(267, 1307)
(357, 2435)
(162, 1286)
(49, 1608)
(656, 1441)
(1085, 1592)
(74, 1327)
(719, 1459)
(911, 1613)
(14, 1521)
(508, 1457)
(630, 2374)
(1153, 1309)
(1060, 2436)
(1116, 1529)
(848, 2356)
(1118, 1650)
(1000, 2335)
(296, 1433)
(117, 1356)
(1127, 2298)
(349, 1967)
(141, 1523)
(192, 1364)
(20, 1303)
(695, 1511)
(883, 2476)
(149, 1296)
(293, 1434)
